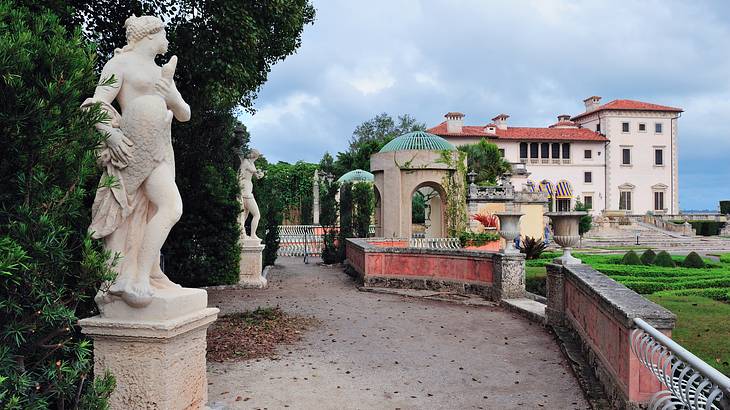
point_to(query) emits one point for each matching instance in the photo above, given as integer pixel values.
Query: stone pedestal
(555, 286)
(251, 264)
(156, 353)
(509, 275)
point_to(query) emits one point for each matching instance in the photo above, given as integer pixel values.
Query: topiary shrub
(664, 259)
(631, 258)
(648, 257)
(693, 260)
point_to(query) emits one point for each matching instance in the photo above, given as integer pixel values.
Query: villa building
(617, 156)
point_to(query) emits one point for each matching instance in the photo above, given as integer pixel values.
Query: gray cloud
(530, 59)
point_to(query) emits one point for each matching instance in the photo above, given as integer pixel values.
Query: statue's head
(146, 29)
(253, 155)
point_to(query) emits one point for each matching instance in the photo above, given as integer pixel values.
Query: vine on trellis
(456, 216)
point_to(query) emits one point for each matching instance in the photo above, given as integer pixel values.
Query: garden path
(379, 351)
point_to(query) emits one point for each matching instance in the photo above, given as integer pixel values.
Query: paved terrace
(381, 351)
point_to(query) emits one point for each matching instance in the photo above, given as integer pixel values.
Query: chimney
(592, 103)
(454, 122)
(563, 117)
(501, 121)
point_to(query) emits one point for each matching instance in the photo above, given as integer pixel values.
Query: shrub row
(720, 294)
(656, 286)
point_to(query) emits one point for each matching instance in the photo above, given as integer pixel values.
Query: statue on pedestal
(137, 202)
(245, 174)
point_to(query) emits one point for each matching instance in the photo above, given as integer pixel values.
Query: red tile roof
(563, 124)
(630, 105)
(522, 133)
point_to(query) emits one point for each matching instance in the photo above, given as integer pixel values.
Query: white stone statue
(137, 202)
(245, 174)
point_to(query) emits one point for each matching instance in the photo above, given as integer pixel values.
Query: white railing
(691, 383)
(300, 240)
(435, 243)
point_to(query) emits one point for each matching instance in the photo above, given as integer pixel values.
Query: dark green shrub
(664, 259)
(272, 218)
(693, 260)
(345, 220)
(532, 247)
(477, 239)
(648, 257)
(707, 228)
(631, 258)
(49, 265)
(330, 252)
(725, 207)
(362, 199)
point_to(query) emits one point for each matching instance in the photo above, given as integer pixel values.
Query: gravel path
(377, 351)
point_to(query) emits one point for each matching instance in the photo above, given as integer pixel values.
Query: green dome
(418, 140)
(357, 175)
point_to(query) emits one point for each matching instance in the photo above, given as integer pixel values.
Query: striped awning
(563, 190)
(546, 186)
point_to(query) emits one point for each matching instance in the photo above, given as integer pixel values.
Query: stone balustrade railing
(690, 382)
(661, 223)
(601, 313)
(435, 243)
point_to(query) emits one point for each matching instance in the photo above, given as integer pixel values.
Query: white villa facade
(621, 155)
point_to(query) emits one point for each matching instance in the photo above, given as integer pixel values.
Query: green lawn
(699, 298)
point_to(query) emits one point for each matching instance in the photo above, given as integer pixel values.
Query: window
(501, 152)
(625, 127)
(658, 200)
(626, 159)
(533, 150)
(624, 202)
(587, 154)
(658, 156)
(588, 177)
(588, 201)
(566, 150)
(598, 126)
(658, 128)
(523, 150)
(556, 150)
(642, 127)
(563, 204)
(544, 150)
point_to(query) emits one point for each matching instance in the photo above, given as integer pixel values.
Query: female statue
(138, 202)
(245, 174)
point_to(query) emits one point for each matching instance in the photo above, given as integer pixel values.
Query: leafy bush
(477, 239)
(664, 259)
(532, 247)
(707, 228)
(330, 253)
(648, 257)
(720, 294)
(345, 219)
(50, 267)
(362, 199)
(586, 221)
(487, 220)
(725, 258)
(536, 285)
(272, 218)
(693, 260)
(631, 258)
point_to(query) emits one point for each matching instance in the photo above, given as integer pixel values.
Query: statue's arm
(177, 105)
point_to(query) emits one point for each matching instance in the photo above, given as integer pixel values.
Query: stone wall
(379, 262)
(600, 312)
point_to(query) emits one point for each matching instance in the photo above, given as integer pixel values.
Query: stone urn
(565, 234)
(509, 229)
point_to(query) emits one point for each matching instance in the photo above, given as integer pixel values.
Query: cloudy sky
(530, 59)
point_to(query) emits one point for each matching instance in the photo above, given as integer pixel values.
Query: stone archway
(435, 219)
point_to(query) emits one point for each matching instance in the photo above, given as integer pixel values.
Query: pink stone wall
(608, 338)
(489, 246)
(473, 269)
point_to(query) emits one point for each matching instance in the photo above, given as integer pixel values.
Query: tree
(586, 221)
(345, 219)
(50, 267)
(363, 201)
(370, 136)
(485, 159)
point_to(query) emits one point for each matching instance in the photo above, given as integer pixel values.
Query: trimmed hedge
(631, 258)
(664, 259)
(648, 257)
(693, 260)
(725, 207)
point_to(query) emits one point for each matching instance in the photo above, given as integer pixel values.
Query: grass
(703, 327)
(698, 296)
